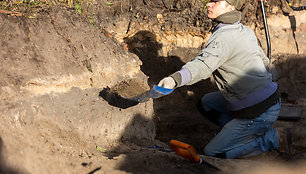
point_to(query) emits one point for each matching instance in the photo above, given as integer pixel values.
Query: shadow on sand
(4, 169)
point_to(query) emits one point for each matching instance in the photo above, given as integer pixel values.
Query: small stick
(10, 12)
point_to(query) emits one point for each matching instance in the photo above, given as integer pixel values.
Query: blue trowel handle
(162, 90)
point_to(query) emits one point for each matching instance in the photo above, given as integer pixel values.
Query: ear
(232, 8)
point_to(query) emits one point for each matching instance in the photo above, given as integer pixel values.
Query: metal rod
(266, 29)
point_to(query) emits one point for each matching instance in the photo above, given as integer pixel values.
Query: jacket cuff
(177, 78)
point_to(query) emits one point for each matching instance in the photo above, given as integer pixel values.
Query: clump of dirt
(121, 95)
(130, 88)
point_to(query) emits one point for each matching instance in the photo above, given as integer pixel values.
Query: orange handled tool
(185, 151)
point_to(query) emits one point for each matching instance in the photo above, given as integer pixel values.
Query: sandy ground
(62, 79)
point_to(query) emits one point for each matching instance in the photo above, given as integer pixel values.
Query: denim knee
(205, 102)
(215, 101)
(208, 151)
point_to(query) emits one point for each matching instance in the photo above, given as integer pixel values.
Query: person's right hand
(167, 82)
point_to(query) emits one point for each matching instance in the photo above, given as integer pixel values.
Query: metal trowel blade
(154, 93)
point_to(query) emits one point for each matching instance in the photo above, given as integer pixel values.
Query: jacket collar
(228, 18)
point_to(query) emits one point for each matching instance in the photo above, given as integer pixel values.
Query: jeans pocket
(262, 126)
(257, 127)
(262, 130)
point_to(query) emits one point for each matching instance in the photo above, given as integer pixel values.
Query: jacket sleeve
(209, 59)
(265, 59)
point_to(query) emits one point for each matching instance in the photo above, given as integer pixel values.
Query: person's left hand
(167, 82)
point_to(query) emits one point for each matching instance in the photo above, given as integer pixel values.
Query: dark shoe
(285, 141)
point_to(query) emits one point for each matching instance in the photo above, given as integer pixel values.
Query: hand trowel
(154, 93)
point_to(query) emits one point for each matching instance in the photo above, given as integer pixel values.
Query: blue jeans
(241, 137)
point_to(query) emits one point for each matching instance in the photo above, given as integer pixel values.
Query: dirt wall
(53, 69)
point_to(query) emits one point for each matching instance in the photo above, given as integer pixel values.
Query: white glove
(167, 82)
